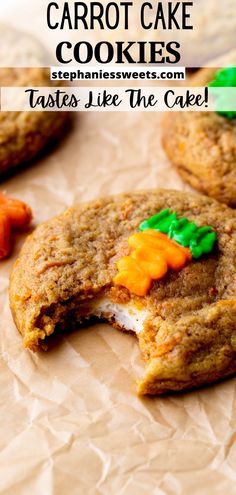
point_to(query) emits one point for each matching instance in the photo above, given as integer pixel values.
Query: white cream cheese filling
(125, 315)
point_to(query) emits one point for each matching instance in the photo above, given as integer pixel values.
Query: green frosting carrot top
(224, 78)
(188, 234)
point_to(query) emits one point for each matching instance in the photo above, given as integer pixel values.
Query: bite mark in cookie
(185, 324)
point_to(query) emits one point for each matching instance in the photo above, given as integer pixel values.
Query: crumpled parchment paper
(71, 420)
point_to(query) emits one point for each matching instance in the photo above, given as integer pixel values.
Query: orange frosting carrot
(14, 214)
(152, 253)
(19, 213)
(5, 234)
(151, 261)
(132, 276)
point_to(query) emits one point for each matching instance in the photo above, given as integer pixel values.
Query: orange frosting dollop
(14, 214)
(152, 254)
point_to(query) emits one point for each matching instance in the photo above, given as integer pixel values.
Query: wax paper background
(71, 422)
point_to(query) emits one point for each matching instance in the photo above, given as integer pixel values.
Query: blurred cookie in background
(24, 134)
(212, 33)
(202, 145)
